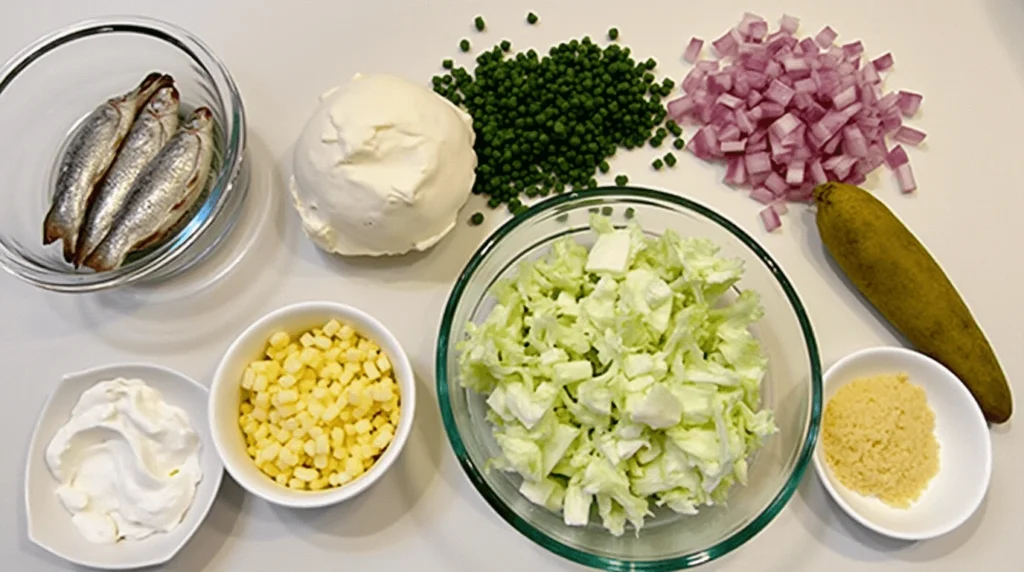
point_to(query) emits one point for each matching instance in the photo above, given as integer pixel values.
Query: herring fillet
(154, 126)
(88, 156)
(163, 192)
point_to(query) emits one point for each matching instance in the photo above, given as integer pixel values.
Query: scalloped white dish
(49, 523)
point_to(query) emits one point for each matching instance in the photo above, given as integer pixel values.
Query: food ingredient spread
(127, 462)
(879, 440)
(895, 272)
(624, 375)
(382, 167)
(319, 413)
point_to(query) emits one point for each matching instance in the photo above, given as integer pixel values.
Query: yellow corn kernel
(287, 457)
(322, 342)
(306, 340)
(354, 466)
(320, 461)
(269, 453)
(262, 431)
(296, 484)
(261, 401)
(279, 340)
(282, 479)
(318, 485)
(270, 469)
(382, 439)
(330, 413)
(259, 414)
(309, 447)
(379, 421)
(286, 396)
(337, 434)
(345, 332)
(331, 328)
(383, 363)
(295, 444)
(363, 426)
(323, 445)
(286, 411)
(315, 409)
(370, 370)
(350, 429)
(339, 453)
(286, 381)
(305, 474)
(293, 363)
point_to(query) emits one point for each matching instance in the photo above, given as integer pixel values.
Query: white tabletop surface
(966, 57)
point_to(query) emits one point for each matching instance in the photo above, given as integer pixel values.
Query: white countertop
(967, 60)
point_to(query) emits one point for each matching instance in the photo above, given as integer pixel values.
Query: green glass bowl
(792, 387)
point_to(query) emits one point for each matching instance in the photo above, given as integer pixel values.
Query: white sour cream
(127, 462)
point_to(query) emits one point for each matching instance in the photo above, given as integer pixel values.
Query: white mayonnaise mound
(127, 462)
(382, 167)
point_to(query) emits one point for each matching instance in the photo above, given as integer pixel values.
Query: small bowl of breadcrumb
(904, 448)
(312, 404)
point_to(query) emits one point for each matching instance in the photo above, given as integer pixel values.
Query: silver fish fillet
(154, 126)
(164, 191)
(88, 156)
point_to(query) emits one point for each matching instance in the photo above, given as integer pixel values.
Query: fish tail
(100, 260)
(51, 230)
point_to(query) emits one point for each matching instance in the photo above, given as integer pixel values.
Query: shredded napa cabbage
(621, 376)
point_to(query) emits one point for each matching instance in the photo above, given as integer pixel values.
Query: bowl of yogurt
(121, 470)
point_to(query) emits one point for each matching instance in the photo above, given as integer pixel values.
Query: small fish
(88, 156)
(152, 129)
(164, 191)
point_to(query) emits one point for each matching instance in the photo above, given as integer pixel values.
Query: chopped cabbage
(620, 378)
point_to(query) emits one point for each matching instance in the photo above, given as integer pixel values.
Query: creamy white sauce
(382, 167)
(127, 462)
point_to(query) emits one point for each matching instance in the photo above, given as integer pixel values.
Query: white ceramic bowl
(250, 346)
(49, 524)
(965, 450)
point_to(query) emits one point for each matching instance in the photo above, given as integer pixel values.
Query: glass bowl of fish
(129, 163)
(619, 356)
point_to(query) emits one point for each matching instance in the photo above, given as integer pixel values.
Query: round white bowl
(225, 393)
(965, 450)
(49, 524)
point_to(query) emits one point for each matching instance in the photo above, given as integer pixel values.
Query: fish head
(165, 101)
(200, 120)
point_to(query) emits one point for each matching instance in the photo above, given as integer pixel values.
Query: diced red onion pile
(786, 114)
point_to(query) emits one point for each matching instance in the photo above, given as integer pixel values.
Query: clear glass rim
(538, 536)
(234, 151)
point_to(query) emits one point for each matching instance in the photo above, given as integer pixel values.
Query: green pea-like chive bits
(613, 34)
(479, 23)
(657, 164)
(546, 123)
(532, 18)
(679, 144)
(670, 159)
(621, 180)
(477, 219)
(464, 45)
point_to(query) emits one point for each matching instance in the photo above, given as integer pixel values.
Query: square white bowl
(965, 449)
(49, 523)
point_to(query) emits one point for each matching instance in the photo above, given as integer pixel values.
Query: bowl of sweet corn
(312, 404)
